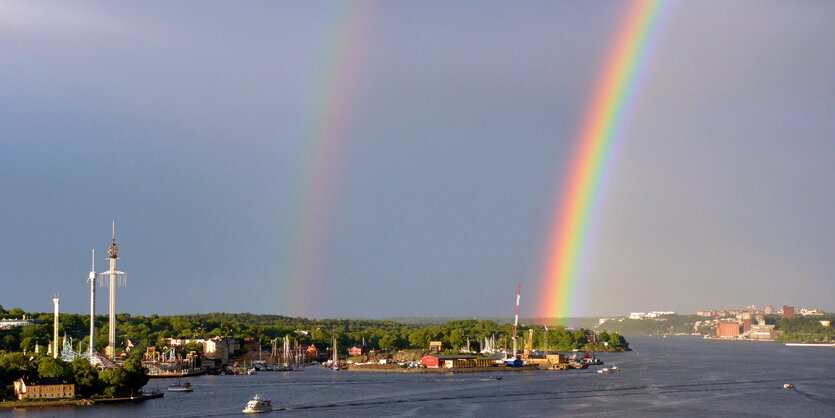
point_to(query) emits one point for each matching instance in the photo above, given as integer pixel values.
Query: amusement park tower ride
(92, 279)
(56, 301)
(113, 278)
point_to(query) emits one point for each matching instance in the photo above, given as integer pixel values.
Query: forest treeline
(154, 330)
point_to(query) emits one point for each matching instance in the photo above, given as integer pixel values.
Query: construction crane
(526, 355)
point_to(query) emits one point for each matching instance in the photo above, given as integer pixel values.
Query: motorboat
(180, 387)
(788, 386)
(256, 404)
(604, 370)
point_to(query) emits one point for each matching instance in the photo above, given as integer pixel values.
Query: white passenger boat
(256, 404)
(180, 387)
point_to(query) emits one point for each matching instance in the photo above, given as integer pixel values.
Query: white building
(650, 315)
(15, 323)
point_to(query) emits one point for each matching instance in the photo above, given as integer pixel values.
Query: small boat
(256, 404)
(788, 386)
(615, 368)
(604, 370)
(491, 378)
(251, 371)
(180, 387)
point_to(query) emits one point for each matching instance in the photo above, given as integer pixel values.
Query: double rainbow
(603, 127)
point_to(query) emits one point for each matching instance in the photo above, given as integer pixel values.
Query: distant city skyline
(396, 159)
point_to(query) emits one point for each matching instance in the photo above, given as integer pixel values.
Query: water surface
(663, 377)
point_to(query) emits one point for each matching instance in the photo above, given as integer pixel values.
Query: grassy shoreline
(77, 402)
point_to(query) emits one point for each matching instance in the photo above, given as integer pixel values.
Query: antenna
(114, 231)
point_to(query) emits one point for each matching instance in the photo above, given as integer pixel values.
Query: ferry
(256, 404)
(180, 387)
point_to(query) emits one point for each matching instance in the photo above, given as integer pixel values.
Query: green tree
(456, 339)
(86, 377)
(53, 367)
(603, 337)
(113, 381)
(136, 373)
(389, 342)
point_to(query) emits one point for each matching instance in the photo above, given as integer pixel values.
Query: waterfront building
(43, 388)
(431, 362)
(454, 361)
(357, 351)
(727, 330)
(746, 325)
(312, 352)
(250, 344)
(216, 348)
(436, 346)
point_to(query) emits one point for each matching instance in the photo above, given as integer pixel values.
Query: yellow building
(51, 388)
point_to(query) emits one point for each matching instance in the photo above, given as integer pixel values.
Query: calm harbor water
(676, 376)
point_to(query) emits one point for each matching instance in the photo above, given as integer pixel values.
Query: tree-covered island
(18, 358)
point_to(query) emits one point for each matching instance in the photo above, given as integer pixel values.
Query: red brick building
(728, 330)
(746, 325)
(788, 311)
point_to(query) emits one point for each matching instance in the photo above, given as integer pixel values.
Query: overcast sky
(187, 123)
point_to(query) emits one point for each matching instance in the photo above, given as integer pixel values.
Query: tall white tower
(56, 301)
(113, 278)
(92, 279)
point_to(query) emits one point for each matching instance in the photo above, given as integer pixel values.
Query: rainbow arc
(603, 127)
